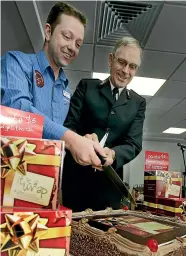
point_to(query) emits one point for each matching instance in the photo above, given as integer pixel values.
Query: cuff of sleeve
(55, 132)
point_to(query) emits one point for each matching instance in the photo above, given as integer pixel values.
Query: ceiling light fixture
(174, 130)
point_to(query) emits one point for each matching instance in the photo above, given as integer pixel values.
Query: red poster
(156, 161)
(14, 122)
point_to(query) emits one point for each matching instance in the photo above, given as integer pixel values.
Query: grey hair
(127, 41)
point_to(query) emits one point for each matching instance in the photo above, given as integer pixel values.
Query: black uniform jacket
(92, 110)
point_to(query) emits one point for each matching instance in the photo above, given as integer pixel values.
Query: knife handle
(102, 159)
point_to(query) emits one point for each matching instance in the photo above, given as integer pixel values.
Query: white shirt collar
(112, 87)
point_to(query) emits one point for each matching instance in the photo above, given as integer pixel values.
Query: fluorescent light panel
(174, 130)
(141, 85)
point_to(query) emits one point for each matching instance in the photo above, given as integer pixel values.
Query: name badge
(66, 94)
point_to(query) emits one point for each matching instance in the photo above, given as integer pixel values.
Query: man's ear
(47, 32)
(110, 59)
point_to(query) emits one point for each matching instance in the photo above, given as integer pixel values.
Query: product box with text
(162, 184)
(14, 122)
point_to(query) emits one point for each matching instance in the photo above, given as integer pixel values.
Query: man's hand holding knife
(110, 153)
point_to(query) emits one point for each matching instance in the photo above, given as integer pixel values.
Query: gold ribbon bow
(22, 232)
(12, 154)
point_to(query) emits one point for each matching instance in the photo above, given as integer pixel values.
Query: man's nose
(126, 69)
(72, 46)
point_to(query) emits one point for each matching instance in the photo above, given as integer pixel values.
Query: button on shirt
(20, 90)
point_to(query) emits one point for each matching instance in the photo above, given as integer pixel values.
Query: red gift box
(31, 172)
(150, 204)
(19, 123)
(170, 207)
(39, 232)
(162, 184)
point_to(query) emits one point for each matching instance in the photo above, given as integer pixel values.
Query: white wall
(133, 172)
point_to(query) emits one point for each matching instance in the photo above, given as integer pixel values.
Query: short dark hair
(64, 8)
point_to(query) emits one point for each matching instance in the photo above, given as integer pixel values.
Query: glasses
(123, 63)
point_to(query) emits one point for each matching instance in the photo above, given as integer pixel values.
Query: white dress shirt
(120, 90)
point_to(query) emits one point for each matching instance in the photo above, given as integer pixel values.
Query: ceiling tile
(75, 76)
(14, 35)
(84, 59)
(172, 89)
(180, 108)
(154, 112)
(162, 103)
(167, 34)
(181, 124)
(89, 10)
(180, 73)
(183, 136)
(159, 64)
(101, 58)
(172, 117)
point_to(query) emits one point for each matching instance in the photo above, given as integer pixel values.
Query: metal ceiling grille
(127, 11)
(119, 18)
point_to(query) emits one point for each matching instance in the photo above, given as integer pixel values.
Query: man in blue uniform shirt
(37, 83)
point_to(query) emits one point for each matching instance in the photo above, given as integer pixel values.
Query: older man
(108, 107)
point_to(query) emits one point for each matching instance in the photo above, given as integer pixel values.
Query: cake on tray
(126, 233)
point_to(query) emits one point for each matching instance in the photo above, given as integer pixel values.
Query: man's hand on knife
(109, 159)
(92, 136)
(110, 153)
(82, 149)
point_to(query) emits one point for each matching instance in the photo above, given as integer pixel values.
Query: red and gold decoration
(26, 231)
(150, 204)
(170, 207)
(12, 154)
(24, 155)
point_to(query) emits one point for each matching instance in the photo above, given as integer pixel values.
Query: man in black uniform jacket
(96, 108)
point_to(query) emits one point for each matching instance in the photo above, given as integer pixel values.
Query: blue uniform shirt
(21, 89)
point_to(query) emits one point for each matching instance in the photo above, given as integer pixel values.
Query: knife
(114, 177)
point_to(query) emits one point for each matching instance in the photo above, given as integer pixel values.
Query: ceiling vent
(119, 18)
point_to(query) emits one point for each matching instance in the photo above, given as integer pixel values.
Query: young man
(37, 83)
(97, 108)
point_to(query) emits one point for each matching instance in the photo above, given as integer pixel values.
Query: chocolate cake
(126, 233)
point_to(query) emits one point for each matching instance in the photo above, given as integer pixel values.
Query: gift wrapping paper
(39, 232)
(150, 204)
(170, 207)
(31, 171)
(162, 184)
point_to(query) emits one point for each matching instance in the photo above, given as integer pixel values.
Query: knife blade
(114, 177)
